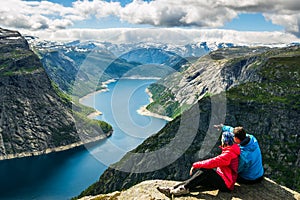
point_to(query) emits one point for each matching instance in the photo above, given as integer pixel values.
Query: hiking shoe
(181, 190)
(165, 191)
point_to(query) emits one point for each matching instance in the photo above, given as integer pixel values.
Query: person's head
(239, 134)
(227, 139)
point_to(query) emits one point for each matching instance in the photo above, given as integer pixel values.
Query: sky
(85, 19)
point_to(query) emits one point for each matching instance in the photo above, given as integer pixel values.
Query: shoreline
(53, 150)
(143, 110)
(150, 95)
(94, 114)
(97, 112)
(104, 84)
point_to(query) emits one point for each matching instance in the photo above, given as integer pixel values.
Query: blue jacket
(250, 162)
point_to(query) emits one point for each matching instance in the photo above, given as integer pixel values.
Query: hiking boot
(165, 191)
(181, 190)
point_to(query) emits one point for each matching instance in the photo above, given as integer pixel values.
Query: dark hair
(239, 132)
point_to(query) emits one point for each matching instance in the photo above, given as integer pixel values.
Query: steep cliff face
(34, 115)
(267, 106)
(60, 68)
(209, 75)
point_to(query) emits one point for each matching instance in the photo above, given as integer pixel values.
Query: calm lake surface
(65, 174)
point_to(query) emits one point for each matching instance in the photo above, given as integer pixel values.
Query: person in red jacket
(222, 178)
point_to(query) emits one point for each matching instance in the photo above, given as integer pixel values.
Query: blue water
(65, 174)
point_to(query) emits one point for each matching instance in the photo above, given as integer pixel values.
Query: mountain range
(87, 64)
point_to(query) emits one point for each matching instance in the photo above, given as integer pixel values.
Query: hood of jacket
(252, 144)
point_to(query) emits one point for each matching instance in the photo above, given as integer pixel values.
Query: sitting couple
(240, 161)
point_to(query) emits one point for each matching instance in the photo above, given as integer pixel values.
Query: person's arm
(218, 161)
(224, 128)
(227, 128)
(218, 126)
(242, 164)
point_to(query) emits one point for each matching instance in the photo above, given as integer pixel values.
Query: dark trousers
(245, 181)
(207, 178)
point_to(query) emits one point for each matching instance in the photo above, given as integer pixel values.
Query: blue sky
(37, 17)
(69, 2)
(252, 22)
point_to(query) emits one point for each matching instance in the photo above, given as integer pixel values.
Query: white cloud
(281, 12)
(46, 8)
(60, 24)
(161, 13)
(168, 35)
(96, 8)
(176, 13)
(35, 15)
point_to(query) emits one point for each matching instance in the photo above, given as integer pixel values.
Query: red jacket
(226, 163)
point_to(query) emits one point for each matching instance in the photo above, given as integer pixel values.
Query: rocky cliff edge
(146, 190)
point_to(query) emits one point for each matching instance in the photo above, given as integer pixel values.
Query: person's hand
(191, 171)
(219, 126)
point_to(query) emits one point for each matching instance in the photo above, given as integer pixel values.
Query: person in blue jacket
(250, 168)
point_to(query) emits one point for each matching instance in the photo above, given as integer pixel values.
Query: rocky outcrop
(35, 116)
(12, 40)
(146, 190)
